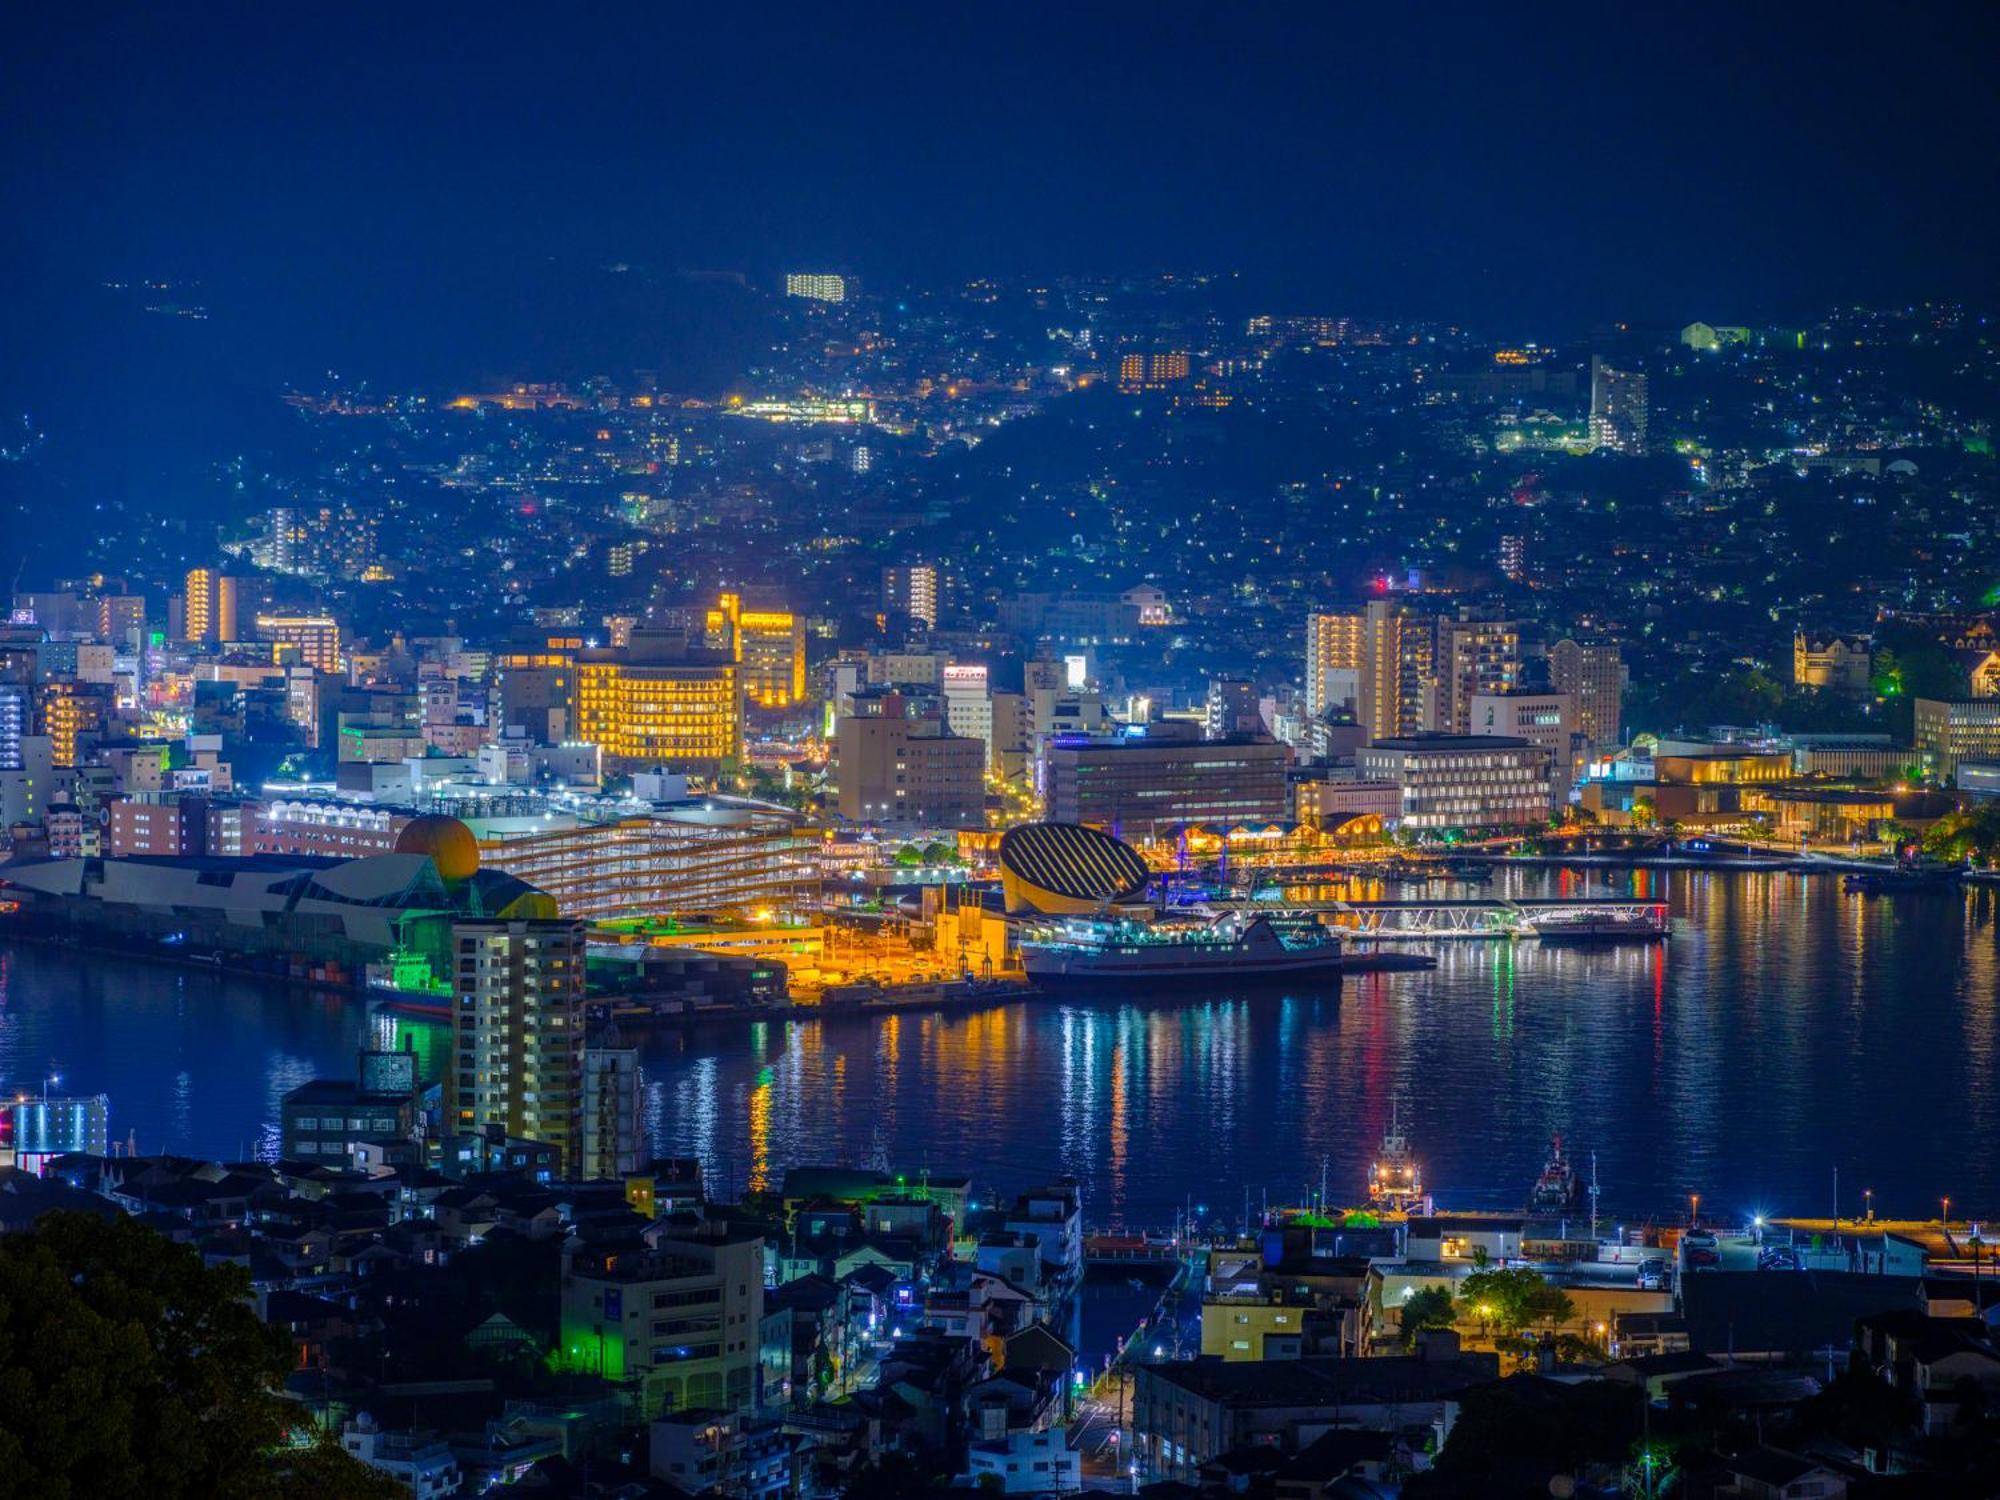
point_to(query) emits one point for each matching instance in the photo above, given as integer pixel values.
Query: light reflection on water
(1788, 1028)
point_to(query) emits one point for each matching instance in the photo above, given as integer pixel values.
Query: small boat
(1558, 1189)
(1611, 925)
(1902, 880)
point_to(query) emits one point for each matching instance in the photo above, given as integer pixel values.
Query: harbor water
(1787, 1030)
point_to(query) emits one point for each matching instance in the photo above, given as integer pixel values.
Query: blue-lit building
(35, 1127)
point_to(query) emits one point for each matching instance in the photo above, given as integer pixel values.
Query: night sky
(379, 186)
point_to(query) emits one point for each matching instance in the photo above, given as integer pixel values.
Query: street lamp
(1945, 1216)
(1868, 1204)
(1694, 1209)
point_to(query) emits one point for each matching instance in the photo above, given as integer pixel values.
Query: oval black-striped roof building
(1067, 869)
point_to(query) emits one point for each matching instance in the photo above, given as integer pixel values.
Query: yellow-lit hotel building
(684, 714)
(769, 645)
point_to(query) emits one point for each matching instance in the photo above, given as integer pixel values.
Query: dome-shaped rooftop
(1065, 867)
(448, 842)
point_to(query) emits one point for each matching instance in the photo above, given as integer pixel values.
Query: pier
(1497, 919)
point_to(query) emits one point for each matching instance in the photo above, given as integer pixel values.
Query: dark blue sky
(373, 178)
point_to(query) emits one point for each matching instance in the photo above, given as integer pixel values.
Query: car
(1700, 1256)
(1700, 1238)
(1652, 1275)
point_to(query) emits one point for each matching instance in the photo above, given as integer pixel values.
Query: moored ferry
(1232, 948)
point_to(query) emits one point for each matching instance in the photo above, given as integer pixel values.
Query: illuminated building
(655, 866)
(677, 1323)
(768, 644)
(1462, 781)
(538, 687)
(517, 1024)
(14, 721)
(1592, 673)
(159, 823)
(912, 589)
(1347, 806)
(1713, 336)
(1475, 657)
(38, 1126)
(968, 705)
(312, 639)
(521, 396)
(344, 830)
(905, 771)
(209, 606)
(1159, 371)
(1142, 787)
(842, 411)
(1333, 661)
(1839, 665)
(329, 1117)
(1951, 730)
(1725, 766)
(1618, 409)
(299, 917)
(816, 286)
(1066, 869)
(614, 1125)
(1513, 557)
(69, 715)
(684, 714)
(1382, 660)
(1231, 708)
(1547, 720)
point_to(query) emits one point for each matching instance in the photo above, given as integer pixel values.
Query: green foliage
(894, 1476)
(1651, 1472)
(127, 1368)
(1430, 1307)
(1966, 835)
(1859, 1408)
(909, 856)
(1522, 1426)
(1694, 700)
(939, 853)
(1514, 1299)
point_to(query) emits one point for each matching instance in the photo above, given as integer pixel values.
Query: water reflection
(1787, 1029)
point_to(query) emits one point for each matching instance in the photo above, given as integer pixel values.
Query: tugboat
(1557, 1190)
(1395, 1181)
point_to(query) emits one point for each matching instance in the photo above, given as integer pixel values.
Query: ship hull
(1086, 973)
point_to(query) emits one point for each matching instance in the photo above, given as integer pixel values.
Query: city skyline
(1207, 752)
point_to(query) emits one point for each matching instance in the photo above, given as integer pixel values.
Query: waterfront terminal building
(299, 916)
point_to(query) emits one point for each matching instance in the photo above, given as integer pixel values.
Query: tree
(1430, 1307)
(1515, 1433)
(127, 1367)
(1514, 1299)
(894, 1476)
